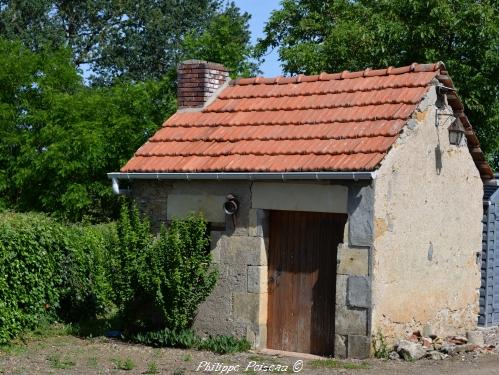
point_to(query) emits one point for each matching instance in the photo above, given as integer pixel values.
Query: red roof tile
(345, 121)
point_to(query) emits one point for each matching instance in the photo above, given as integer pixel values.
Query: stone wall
(428, 209)
(353, 280)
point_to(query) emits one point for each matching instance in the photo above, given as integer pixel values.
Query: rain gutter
(251, 176)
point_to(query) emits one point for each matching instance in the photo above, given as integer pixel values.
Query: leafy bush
(85, 290)
(133, 241)
(79, 274)
(159, 282)
(28, 273)
(48, 270)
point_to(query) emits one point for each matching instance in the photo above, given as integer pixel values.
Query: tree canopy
(59, 138)
(60, 135)
(131, 39)
(334, 35)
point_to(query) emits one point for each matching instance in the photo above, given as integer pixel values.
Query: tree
(59, 138)
(226, 39)
(129, 39)
(314, 36)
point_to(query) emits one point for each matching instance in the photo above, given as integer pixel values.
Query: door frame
(264, 303)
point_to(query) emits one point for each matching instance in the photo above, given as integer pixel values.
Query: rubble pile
(418, 346)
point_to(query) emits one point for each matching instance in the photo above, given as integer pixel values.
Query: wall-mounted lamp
(231, 204)
(456, 132)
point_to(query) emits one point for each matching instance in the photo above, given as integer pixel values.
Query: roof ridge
(368, 72)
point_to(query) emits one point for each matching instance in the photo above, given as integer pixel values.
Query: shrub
(76, 273)
(85, 290)
(48, 270)
(127, 259)
(28, 272)
(159, 282)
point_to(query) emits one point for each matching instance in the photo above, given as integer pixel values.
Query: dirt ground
(71, 355)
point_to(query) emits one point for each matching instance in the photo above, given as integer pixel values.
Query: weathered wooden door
(302, 280)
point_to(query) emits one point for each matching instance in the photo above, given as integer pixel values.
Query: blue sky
(260, 11)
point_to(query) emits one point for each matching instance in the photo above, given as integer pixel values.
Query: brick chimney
(197, 81)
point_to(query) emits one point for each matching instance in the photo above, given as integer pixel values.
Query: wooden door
(302, 280)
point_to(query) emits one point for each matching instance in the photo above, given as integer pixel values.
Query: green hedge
(49, 271)
(77, 273)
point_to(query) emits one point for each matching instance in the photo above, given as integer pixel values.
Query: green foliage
(187, 339)
(226, 40)
(224, 345)
(134, 40)
(181, 273)
(179, 371)
(85, 291)
(48, 270)
(60, 363)
(134, 240)
(152, 368)
(126, 364)
(58, 138)
(314, 36)
(381, 349)
(159, 282)
(167, 338)
(76, 273)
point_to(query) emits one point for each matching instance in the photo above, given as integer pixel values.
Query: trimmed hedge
(49, 270)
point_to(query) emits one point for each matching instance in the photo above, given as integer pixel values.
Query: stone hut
(340, 205)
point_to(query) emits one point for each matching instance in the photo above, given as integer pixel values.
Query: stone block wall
(353, 277)
(238, 304)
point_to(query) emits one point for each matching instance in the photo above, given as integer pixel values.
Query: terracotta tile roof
(329, 122)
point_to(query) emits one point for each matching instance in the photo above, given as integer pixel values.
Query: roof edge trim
(243, 176)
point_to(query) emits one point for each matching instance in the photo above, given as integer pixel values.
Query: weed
(152, 368)
(332, 363)
(187, 339)
(381, 349)
(60, 363)
(92, 362)
(124, 364)
(179, 371)
(354, 365)
(186, 357)
(13, 348)
(224, 345)
(47, 330)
